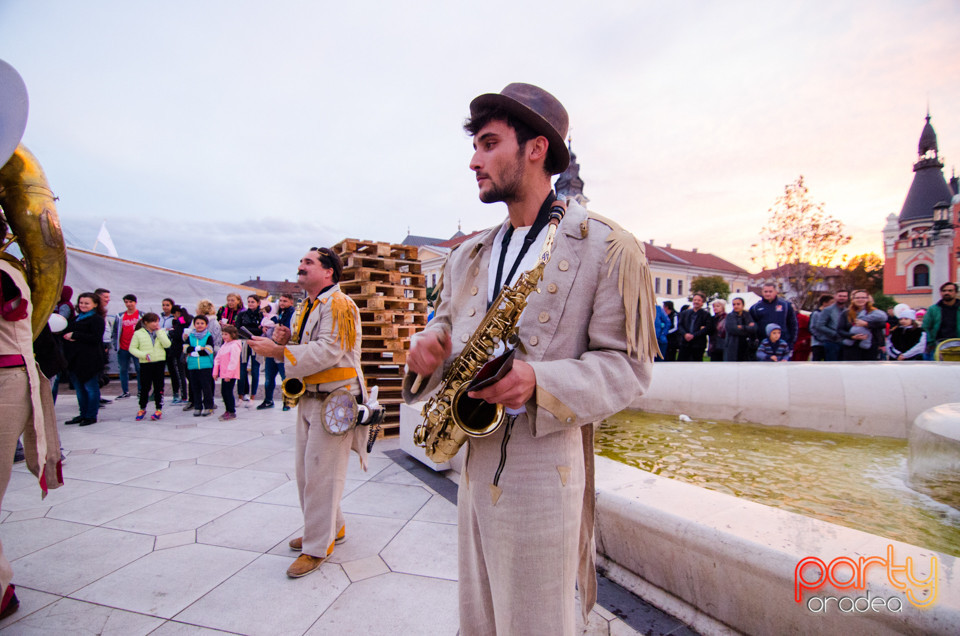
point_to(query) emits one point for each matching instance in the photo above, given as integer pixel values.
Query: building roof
(457, 240)
(275, 287)
(419, 241)
(693, 258)
(929, 186)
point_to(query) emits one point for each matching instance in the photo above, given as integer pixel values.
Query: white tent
(87, 271)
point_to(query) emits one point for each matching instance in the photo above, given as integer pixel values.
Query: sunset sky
(224, 138)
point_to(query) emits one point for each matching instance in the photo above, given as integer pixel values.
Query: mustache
(301, 272)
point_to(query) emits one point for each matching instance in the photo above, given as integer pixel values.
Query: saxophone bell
(476, 418)
(293, 389)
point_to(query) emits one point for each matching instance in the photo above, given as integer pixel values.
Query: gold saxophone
(451, 416)
(28, 205)
(293, 388)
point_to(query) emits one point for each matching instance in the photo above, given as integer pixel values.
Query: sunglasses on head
(325, 256)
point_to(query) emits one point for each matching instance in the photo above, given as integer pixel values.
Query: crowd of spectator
(844, 326)
(194, 350)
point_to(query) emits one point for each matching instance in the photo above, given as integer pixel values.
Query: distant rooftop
(694, 258)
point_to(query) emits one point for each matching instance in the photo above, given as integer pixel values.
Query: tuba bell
(28, 206)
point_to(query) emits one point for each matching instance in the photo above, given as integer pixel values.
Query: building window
(669, 287)
(921, 276)
(656, 285)
(434, 284)
(679, 288)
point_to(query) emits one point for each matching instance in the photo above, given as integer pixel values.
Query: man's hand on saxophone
(513, 390)
(426, 354)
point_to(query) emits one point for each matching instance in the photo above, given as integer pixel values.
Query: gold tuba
(293, 388)
(28, 205)
(451, 416)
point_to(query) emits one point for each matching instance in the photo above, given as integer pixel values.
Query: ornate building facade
(921, 244)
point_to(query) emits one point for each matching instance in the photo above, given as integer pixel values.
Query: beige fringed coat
(590, 339)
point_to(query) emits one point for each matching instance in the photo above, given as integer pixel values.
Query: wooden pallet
(386, 282)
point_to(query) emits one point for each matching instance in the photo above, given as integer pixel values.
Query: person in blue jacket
(770, 309)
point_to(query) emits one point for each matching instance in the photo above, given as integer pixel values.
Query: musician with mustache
(526, 495)
(326, 358)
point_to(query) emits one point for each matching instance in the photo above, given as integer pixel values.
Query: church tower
(920, 245)
(569, 183)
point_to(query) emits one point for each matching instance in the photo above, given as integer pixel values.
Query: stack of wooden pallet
(385, 281)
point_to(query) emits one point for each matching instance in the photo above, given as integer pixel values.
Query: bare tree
(802, 239)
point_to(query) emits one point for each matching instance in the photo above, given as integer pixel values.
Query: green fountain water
(855, 481)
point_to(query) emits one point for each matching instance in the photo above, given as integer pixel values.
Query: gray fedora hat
(536, 108)
(13, 110)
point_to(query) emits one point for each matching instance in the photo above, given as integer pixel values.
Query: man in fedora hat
(526, 495)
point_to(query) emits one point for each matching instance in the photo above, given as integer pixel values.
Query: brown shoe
(297, 544)
(304, 565)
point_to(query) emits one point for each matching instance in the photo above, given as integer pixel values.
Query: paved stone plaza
(181, 527)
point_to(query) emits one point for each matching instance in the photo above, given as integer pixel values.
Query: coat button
(564, 266)
(552, 288)
(533, 341)
(474, 290)
(476, 271)
(464, 338)
(544, 316)
(472, 312)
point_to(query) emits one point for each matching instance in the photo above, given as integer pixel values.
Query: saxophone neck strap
(543, 217)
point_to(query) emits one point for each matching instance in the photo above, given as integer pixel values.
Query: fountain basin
(727, 565)
(869, 398)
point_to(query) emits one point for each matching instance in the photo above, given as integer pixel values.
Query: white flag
(104, 239)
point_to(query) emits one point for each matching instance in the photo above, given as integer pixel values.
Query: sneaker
(88, 421)
(156, 416)
(176, 400)
(188, 406)
(206, 412)
(105, 401)
(141, 414)
(198, 413)
(286, 408)
(123, 395)
(265, 405)
(75, 420)
(227, 416)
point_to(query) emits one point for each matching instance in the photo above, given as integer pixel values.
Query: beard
(507, 185)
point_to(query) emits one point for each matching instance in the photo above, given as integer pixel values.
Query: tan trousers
(518, 539)
(16, 419)
(321, 467)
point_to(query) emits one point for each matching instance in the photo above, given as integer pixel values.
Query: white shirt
(528, 262)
